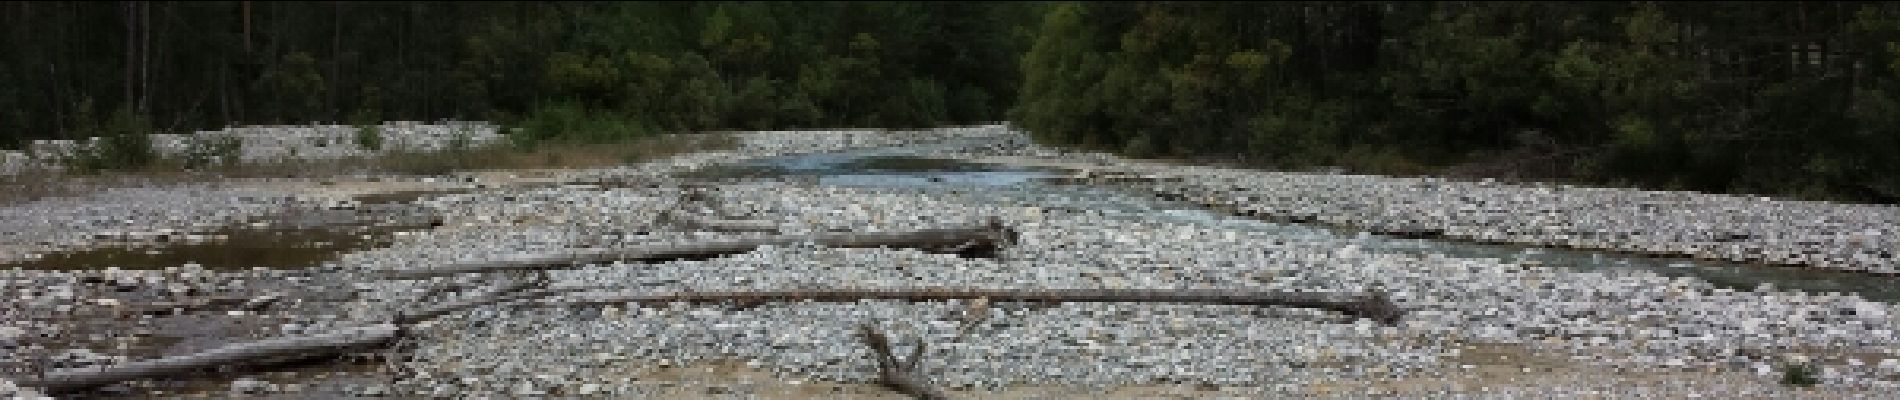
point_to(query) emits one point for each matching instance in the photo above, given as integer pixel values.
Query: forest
(598, 70)
(1774, 98)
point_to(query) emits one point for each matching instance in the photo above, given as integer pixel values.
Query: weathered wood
(1372, 306)
(730, 225)
(900, 375)
(701, 217)
(490, 295)
(277, 350)
(969, 241)
(238, 354)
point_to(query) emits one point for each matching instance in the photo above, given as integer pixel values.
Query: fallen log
(709, 222)
(900, 375)
(1372, 306)
(279, 350)
(491, 295)
(975, 241)
(704, 218)
(258, 352)
(730, 225)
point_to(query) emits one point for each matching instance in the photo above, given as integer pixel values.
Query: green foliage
(369, 130)
(121, 144)
(569, 122)
(297, 88)
(1698, 96)
(641, 66)
(1716, 96)
(1799, 375)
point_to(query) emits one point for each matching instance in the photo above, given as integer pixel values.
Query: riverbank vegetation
(1783, 98)
(1795, 98)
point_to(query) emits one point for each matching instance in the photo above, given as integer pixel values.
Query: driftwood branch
(970, 241)
(1373, 306)
(900, 375)
(273, 350)
(278, 350)
(493, 294)
(726, 225)
(705, 219)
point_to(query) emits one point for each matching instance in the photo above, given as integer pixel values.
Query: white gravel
(272, 143)
(1636, 321)
(1614, 334)
(1853, 237)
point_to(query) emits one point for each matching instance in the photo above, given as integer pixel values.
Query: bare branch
(900, 375)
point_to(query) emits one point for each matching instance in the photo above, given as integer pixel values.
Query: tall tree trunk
(336, 55)
(224, 93)
(247, 27)
(131, 45)
(59, 102)
(402, 58)
(145, 57)
(52, 72)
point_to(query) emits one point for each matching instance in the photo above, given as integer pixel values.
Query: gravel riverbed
(1850, 237)
(1475, 327)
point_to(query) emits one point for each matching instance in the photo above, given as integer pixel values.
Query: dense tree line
(1794, 98)
(600, 70)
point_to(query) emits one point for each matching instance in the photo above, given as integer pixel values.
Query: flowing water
(894, 169)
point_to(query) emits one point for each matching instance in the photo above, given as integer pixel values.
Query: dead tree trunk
(273, 350)
(1371, 306)
(489, 296)
(516, 292)
(970, 241)
(278, 350)
(717, 224)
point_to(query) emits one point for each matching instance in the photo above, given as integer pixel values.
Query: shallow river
(901, 169)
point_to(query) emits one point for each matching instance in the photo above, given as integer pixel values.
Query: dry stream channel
(305, 241)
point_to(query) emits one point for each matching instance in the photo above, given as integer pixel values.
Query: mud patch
(231, 249)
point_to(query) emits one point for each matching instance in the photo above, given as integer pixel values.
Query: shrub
(121, 144)
(369, 137)
(1799, 375)
(369, 131)
(569, 122)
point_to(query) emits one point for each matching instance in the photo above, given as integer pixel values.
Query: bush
(122, 144)
(1799, 375)
(369, 131)
(369, 137)
(569, 122)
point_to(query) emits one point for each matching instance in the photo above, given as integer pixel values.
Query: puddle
(241, 249)
(292, 241)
